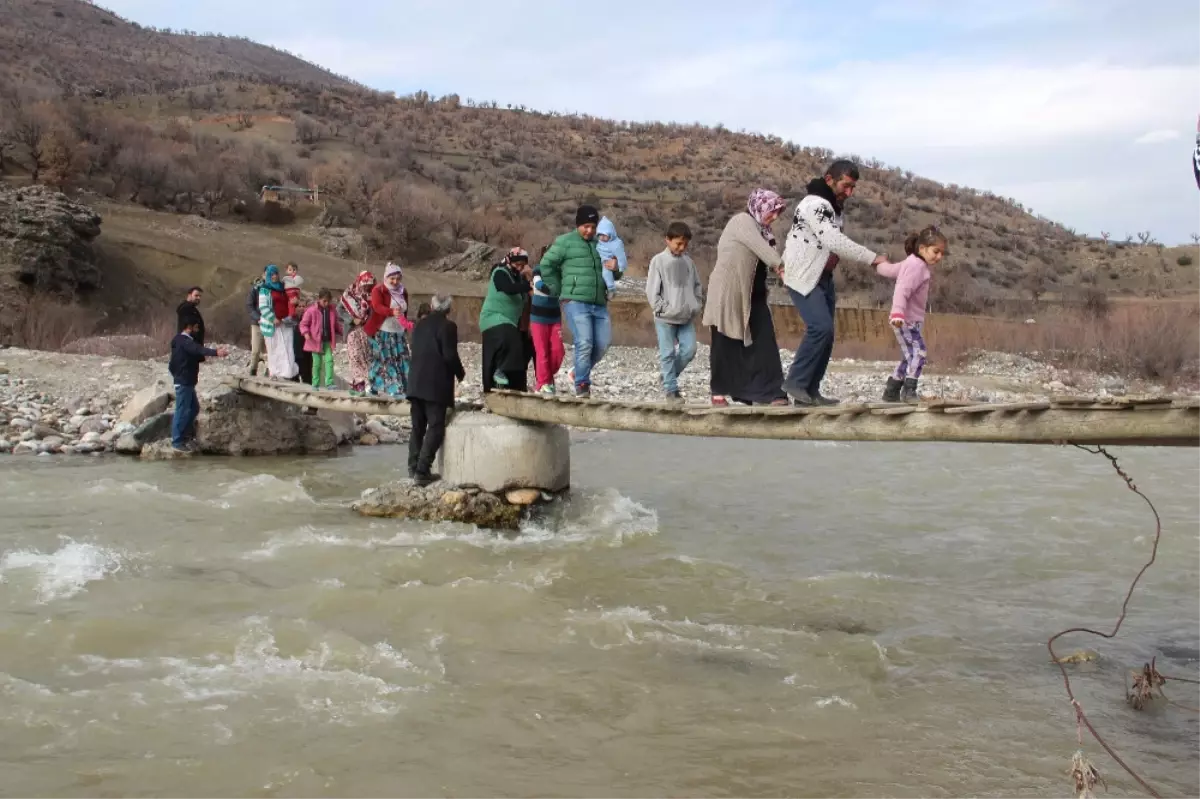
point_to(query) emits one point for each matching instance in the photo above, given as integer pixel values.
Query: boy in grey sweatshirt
(676, 296)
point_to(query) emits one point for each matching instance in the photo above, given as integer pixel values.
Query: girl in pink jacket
(912, 276)
(321, 327)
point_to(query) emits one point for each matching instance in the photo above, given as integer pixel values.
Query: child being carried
(291, 287)
(610, 247)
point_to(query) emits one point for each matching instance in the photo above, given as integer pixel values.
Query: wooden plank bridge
(1134, 421)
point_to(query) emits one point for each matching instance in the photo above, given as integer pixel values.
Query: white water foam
(107, 485)
(335, 677)
(836, 700)
(266, 488)
(64, 572)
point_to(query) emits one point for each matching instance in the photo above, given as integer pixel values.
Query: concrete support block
(497, 454)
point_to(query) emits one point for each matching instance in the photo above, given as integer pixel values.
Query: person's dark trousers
(812, 356)
(187, 408)
(304, 360)
(428, 432)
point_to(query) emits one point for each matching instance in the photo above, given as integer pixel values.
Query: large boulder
(440, 502)
(149, 401)
(474, 262)
(498, 454)
(233, 423)
(46, 243)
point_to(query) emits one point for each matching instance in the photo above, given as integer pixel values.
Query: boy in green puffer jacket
(573, 270)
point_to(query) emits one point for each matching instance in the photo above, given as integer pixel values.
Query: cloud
(1157, 137)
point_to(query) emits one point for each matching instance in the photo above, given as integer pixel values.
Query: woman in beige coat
(745, 355)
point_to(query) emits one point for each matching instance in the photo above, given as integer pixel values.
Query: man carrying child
(676, 296)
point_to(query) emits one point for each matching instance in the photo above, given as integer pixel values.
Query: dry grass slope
(200, 122)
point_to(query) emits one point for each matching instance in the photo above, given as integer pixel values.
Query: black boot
(892, 392)
(909, 392)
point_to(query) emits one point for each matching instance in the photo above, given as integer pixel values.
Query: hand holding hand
(222, 352)
(611, 264)
(897, 322)
(879, 259)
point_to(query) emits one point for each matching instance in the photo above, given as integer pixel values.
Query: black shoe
(426, 478)
(799, 396)
(583, 391)
(892, 392)
(821, 399)
(909, 392)
(674, 397)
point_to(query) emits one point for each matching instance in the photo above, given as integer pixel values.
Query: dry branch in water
(1145, 684)
(1085, 775)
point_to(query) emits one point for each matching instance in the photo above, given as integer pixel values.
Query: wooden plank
(1163, 427)
(1000, 407)
(341, 401)
(896, 410)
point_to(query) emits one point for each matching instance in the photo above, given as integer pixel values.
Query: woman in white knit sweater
(814, 246)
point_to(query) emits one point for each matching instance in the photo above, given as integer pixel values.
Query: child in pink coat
(321, 327)
(911, 296)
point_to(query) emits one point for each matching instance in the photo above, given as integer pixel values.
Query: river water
(709, 618)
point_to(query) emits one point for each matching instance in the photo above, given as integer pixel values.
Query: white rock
(25, 448)
(150, 401)
(90, 438)
(20, 423)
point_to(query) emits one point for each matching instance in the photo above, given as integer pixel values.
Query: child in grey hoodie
(676, 296)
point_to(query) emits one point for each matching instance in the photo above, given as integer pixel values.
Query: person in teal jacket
(574, 271)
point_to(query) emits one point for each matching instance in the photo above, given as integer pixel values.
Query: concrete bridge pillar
(497, 454)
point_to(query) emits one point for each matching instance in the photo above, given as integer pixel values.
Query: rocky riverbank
(73, 403)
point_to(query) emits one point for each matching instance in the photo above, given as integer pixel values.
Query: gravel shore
(53, 402)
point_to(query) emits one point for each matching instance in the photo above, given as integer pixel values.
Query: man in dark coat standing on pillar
(433, 367)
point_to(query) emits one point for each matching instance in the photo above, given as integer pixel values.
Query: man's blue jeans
(673, 361)
(812, 357)
(591, 329)
(187, 408)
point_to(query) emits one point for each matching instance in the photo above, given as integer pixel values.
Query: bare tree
(308, 130)
(1145, 238)
(28, 128)
(1104, 237)
(1196, 238)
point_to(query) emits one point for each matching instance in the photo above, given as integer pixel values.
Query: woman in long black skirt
(745, 355)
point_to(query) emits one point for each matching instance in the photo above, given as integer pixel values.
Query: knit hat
(586, 215)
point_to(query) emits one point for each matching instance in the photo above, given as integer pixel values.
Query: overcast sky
(1084, 110)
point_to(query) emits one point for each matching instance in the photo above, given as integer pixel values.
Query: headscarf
(516, 254)
(272, 278)
(356, 300)
(399, 295)
(760, 205)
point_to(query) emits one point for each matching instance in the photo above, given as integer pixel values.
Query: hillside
(197, 124)
(52, 45)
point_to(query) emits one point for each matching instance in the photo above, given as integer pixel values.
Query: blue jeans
(187, 408)
(812, 356)
(671, 361)
(591, 329)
